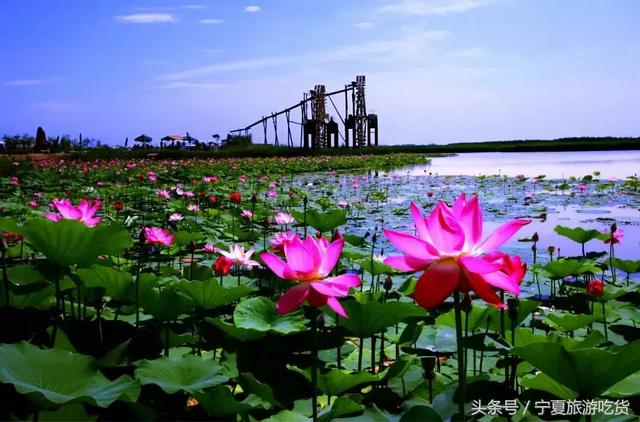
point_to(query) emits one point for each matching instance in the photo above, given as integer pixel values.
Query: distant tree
(41, 139)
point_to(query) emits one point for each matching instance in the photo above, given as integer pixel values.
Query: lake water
(555, 165)
(502, 197)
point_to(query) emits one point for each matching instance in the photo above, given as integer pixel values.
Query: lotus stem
(460, 353)
(5, 281)
(314, 365)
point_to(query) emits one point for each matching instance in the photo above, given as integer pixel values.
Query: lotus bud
(535, 237)
(429, 366)
(254, 198)
(614, 228)
(466, 303)
(142, 237)
(336, 235)
(191, 247)
(388, 283)
(551, 250)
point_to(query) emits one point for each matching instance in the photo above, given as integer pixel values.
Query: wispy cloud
(194, 6)
(25, 82)
(363, 25)
(431, 7)
(211, 21)
(412, 44)
(252, 9)
(232, 66)
(147, 18)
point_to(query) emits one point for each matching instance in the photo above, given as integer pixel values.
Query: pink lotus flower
(176, 216)
(209, 248)
(152, 176)
(85, 211)
(158, 236)
(582, 188)
(615, 238)
(279, 239)
(15, 181)
(193, 207)
(163, 193)
(238, 256)
(284, 218)
(448, 248)
(246, 214)
(308, 263)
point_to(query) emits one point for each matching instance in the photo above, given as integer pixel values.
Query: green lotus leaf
(241, 334)
(629, 266)
(165, 304)
(219, 402)
(421, 413)
(367, 319)
(260, 314)
(587, 371)
(543, 382)
(69, 242)
(322, 221)
(115, 283)
(577, 234)
(562, 268)
(186, 373)
(61, 377)
(210, 294)
(336, 381)
(568, 322)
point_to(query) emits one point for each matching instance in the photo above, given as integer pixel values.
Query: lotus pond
(315, 289)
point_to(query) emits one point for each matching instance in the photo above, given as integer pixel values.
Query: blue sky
(437, 70)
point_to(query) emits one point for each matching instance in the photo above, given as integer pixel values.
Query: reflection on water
(555, 165)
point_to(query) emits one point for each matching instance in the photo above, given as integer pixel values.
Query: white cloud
(416, 43)
(211, 21)
(147, 18)
(24, 82)
(363, 25)
(252, 9)
(431, 7)
(250, 64)
(194, 6)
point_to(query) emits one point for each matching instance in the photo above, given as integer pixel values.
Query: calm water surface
(555, 165)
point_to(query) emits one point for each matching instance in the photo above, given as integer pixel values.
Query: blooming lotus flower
(284, 218)
(308, 263)
(279, 239)
(193, 207)
(152, 176)
(158, 236)
(450, 250)
(163, 193)
(615, 238)
(84, 212)
(246, 214)
(209, 248)
(176, 216)
(238, 256)
(582, 188)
